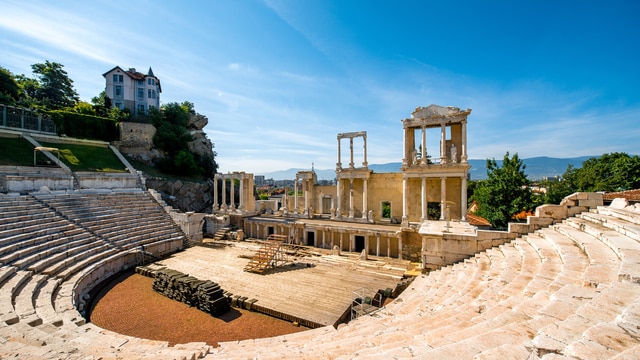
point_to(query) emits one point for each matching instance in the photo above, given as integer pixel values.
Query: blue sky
(279, 79)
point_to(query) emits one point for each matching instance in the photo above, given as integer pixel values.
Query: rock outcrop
(184, 195)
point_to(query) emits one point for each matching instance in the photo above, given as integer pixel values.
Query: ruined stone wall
(136, 136)
(384, 187)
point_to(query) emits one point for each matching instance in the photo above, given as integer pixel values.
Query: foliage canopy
(504, 193)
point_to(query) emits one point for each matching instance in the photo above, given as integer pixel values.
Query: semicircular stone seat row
(53, 247)
(568, 291)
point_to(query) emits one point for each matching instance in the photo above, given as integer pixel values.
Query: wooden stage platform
(314, 286)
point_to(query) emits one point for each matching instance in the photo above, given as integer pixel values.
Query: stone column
(351, 198)
(443, 144)
(224, 193)
(406, 159)
(215, 193)
(388, 246)
(241, 192)
(351, 242)
(424, 200)
(295, 196)
(339, 163)
(364, 199)
(338, 197)
(233, 195)
(463, 157)
(306, 195)
(340, 237)
(463, 199)
(400, 247)
(323, 234)
(351, 153)
(405, 203)
(423, 155)
(365, 163)
(366, 243)
(443, 197)
(377, 244)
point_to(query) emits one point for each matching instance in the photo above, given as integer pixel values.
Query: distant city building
(258, 180)
(132, 90)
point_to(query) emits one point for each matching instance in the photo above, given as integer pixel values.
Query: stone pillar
(338, 199)
(295, 196)
(365, 163)
(351, 198)
(405, 159)
(340, 237)
(377, 244)
(423, 256)
(423, 155)
(400, 247)
(388, 246)
(424, 200)
(233, 195)
(242, 192)
(443, 144)
(463, 199)
(224, 193)
(351, 153)
(443, 197)
(463, 158)
(366, 243)
(215, 193)
(339, 163)
(323, 234)
(306, 196)
(364, 199)
(405, 202)
(351, 242)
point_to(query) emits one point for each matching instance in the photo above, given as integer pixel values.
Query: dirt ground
(129, 306)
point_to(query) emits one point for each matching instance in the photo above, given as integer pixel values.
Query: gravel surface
(129, 306)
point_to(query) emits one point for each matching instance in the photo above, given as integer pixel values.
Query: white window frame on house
(151, 81)
(117, 90)
(140, 93)
(118, 78)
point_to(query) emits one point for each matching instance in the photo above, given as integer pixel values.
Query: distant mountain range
(536, 168)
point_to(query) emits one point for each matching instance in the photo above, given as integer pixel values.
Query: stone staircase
(53, 248)
(571, 290)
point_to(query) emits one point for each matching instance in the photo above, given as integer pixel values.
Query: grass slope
(88, 158)
(16, 152)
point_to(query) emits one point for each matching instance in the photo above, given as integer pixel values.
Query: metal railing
(26, 119)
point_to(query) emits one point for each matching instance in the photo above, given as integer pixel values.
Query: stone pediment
(437, 111)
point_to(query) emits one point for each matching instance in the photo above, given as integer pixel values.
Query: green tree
(609, 172)
(29, 89)
(9, 89)
(56, 88)
(84, 108)
(101, 104)
(505, 192)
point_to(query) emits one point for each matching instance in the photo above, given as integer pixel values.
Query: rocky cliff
(184, 195)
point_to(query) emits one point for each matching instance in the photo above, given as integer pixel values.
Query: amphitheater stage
(315, 286)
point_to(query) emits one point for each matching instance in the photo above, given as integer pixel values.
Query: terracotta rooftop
(476, 220)
(630, 195)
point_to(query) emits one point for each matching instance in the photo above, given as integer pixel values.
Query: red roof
(476, 220)
(630, 195)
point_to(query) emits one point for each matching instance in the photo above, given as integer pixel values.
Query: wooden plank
(317, 288)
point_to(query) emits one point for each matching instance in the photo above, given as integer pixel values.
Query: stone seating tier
(555, 292)
(566, 291)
